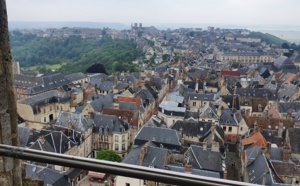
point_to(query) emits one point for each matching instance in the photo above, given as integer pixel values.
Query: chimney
(268, 150)
(215, 146)
(187, 166)
(256, 126)
(280, 129)
(286, 152)
(264, 179)
(143, 151)
(204, 146)
(225, 174)
(168, 97)
(197, 85)
(69, 128)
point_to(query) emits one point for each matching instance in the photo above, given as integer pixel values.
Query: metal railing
(139, 172)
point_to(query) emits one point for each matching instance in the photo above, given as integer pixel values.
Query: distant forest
(76, 54)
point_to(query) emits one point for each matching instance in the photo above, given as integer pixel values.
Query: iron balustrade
(133, 171)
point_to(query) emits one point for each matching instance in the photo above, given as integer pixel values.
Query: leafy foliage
(268, 38)
(108, 155)
(75, 52)
(96, 68)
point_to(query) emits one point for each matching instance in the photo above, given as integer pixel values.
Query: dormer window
(246, 102)
(227, 121)
(251, 172)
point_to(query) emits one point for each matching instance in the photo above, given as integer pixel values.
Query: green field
(53, 67)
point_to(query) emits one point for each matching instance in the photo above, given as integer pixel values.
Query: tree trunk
(10, 169)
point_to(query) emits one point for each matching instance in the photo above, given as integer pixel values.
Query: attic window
(227, 121)
(252, 178)
(251, 172)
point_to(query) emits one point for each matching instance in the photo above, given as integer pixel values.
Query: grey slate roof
(294, 138)
(205, 159)
(24, 134)
(252, 153)
(283, 62)
(192, 128)
(227, 118)
(197, 96)
(194, 171)
(257, 93)
(256, 170)
(106, 86)
(103, 102)
(49, 82)
(158, 135)
(276, 153)
(284, 107)
(78, 121)
(76, 76)
(58, 142)
(129, 106)
(52, 96)
(47, 175)
(109, 124)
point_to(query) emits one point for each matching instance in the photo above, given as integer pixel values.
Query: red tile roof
(130, 116)
(255, 139)
(138, 101)
(230, 73)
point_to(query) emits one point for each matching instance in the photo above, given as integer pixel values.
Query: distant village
(224, 105)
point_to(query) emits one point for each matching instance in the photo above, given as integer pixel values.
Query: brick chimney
(187, 166)
(225, 174)
(280, 129)
(268, 150)
(256, 126)
(286, 152)
(143, 151)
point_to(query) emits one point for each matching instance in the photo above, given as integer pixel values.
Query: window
(44, 110)
(194, 104)
(101, 146)
(117, 147)
(230, 129)
(173, 121)
(252, 178)
(50, 108)
(127, 184)
(106, 138)
(123, 147)
(123, 138)
(145, 182)
(224, 128)
(101, 137)
(116, 138)
(45, 119)
(61, 107)
(106, 146)
(251, 172)
(57, 107)
(241, 129)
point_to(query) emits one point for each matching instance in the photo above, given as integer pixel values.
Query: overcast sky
(236, 12)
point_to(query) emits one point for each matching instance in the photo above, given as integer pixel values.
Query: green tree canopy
(108, 155)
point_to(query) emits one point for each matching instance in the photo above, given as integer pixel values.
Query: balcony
(145, 173)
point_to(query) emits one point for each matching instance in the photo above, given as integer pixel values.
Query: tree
(285, 46)
(96, 68)
(108, 155)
